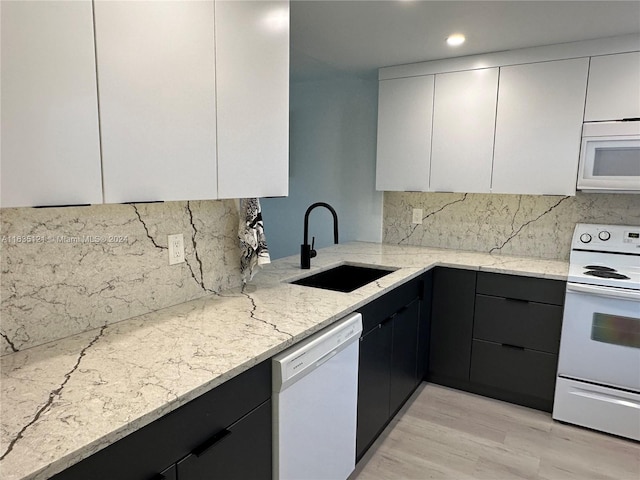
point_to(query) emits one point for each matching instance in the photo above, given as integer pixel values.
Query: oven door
(600, 339)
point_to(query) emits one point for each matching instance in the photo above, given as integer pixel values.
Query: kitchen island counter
(65, 400)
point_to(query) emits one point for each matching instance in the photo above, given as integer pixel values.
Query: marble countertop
(65, 400)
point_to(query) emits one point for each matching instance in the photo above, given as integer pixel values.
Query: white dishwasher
(315, 393)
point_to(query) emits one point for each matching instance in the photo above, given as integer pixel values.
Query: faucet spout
(306, 251)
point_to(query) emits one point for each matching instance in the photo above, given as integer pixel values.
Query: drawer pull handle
(508, 345)
(519, 300)
(217, 438)
(159, 477)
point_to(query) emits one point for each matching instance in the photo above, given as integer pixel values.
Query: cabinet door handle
(387, 320)
(217, 438)
(508, 345)
(63, 206)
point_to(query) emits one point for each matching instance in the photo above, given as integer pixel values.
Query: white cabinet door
(405, 108)
(538, 127)
(464, 114)
(156, 73)
(50, 142)
(614, 87)
(252, 60)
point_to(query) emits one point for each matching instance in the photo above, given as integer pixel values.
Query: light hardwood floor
(447, 434)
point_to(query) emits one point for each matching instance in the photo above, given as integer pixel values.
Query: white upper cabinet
(614, 87)
(50, 142)
(405, 107)
(184, 106)
(464, 114)
(538, 127)
(156, 73)
(252, 58)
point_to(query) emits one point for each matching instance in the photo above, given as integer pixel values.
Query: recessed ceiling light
(455, 39)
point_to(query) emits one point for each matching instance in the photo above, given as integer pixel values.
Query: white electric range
(598, 383)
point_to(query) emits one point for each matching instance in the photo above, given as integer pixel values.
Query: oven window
(617, 330)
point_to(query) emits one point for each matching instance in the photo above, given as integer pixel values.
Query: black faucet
(306, 251)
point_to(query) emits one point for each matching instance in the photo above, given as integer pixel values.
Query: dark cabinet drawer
(196, 421)
(539, 290)
(519, 371)
(525, 324)
(242, 452)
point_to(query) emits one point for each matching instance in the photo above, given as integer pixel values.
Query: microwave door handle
(604, 292)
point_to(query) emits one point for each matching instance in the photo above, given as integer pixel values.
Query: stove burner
(606, 274)
(599, 268)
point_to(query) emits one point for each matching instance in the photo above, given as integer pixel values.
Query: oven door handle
(604, 291)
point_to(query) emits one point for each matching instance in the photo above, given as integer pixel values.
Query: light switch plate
(417, 216)
(176, 248)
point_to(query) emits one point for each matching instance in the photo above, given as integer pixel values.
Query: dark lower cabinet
(170, 473)
(404, 355)
(241, 405)
(373, 385)
(496, 335)
(452, 308)
(389, 363)
(516, 338)
(240, 452)
(424, 328)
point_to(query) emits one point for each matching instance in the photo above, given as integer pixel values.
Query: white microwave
(610, 157)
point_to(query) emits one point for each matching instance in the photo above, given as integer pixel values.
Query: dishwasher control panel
(315, 350)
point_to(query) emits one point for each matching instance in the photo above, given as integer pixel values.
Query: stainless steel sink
(343, 278)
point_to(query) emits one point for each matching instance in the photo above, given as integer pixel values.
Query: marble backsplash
(536, 226)
(67, 270)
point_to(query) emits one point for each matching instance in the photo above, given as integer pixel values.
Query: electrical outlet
(417, 216)
(176, 248)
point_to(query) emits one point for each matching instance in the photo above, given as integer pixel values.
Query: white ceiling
(357, 37)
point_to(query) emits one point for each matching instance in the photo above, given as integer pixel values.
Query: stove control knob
(585, 238)
(604, 235)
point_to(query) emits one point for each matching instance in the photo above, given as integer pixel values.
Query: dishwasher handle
(327, 357)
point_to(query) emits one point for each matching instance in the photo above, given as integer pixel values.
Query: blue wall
(332, 159)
